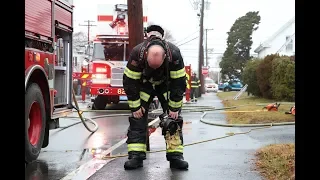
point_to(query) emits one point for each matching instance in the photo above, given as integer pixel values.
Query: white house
(78, 60)
(282, 41)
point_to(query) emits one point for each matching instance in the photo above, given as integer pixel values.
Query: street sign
(205, 70)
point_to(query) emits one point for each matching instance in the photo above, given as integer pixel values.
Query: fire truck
(110, 55)
(48, 70)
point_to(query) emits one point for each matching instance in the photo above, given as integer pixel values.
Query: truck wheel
(226, 89)
(35, 120)
(100, 102)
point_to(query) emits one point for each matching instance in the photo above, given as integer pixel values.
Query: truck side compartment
(38, 17)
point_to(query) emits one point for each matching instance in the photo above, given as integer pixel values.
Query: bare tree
(167, 33)
(80, 39)
(219, 58)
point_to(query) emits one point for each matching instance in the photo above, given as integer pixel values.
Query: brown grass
(249, 103)
(276, 161)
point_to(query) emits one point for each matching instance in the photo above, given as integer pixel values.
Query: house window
(289, 46)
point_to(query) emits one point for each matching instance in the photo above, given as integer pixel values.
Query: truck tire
(100, 102)
(35, 121)
(226, 89)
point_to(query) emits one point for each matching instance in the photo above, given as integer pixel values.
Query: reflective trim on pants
(137, 147)
(179, 149)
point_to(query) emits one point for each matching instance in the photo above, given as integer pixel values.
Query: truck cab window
(109, 52)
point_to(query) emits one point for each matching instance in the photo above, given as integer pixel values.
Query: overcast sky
(181, 19)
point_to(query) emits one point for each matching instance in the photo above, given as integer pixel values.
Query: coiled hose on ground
(189, 108)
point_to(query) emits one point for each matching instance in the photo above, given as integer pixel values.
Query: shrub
(249, 76)
(283, 79)
(264, 72)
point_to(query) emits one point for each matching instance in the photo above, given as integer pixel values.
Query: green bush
(283, 79)
(264, 72)
(249, 76)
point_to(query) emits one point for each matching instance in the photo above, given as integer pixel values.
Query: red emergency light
(122, 30)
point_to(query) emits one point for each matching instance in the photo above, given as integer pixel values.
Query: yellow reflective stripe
(137, 147)
(132, 74)
(165, 95)
(193, 82)
(175, 104)
(178, 149)
(144, 96)
(193, 86)
(134, 104)
(187, 81)
(178, 74)
(198, 81)
(188, 76)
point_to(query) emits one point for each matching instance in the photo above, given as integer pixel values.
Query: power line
(89, 25)
(187, 41)
(187, 37)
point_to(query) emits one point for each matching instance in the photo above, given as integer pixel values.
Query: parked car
(210, 86)
(232, 85)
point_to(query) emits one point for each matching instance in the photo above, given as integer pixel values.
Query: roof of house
(266, 43)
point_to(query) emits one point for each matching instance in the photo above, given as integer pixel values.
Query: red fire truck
(110, 55)
(48, 70)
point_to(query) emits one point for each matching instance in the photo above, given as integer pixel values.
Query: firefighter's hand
(173, 115)
(139, 113)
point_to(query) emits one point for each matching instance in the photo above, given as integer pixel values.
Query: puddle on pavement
(56, 164)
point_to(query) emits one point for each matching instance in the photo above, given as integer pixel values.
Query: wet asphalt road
(230, 158)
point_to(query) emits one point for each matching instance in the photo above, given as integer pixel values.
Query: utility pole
(135, 22)
(207, 60)
(89, 25)
(202, 91)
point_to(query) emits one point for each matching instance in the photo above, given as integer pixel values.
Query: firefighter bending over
(195, 84)
(155, 68)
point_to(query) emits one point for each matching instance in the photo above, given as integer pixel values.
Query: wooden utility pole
(201, 90)
(135, 22)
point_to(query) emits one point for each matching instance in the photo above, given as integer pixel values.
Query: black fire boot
(177, 161)
(133, 163)
(179, 164)
(135, 160)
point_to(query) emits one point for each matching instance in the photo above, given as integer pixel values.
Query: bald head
(156, 55)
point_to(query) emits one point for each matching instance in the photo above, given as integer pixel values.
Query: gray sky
(181, 19)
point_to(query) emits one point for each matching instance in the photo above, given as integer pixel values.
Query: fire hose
(203, 109)
(96, 126)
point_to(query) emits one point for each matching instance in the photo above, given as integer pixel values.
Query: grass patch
(249, 103)
(276, 161)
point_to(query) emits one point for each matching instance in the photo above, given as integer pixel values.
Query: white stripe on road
(89, 168)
